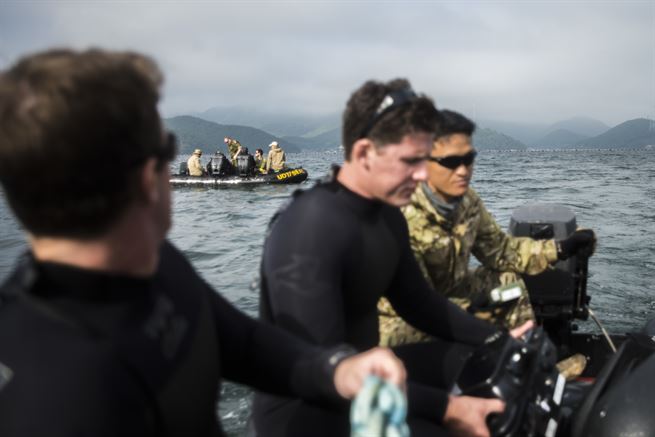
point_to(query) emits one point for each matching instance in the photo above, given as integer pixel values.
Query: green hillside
(489, 139)
(194, 132)
(632, 134)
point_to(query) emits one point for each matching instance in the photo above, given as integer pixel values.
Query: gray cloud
(532, 61)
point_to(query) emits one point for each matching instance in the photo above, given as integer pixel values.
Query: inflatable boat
(289, 176)
(220, 171)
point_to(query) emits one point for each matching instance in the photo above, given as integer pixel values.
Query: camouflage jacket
(443, 247)
(232, 148)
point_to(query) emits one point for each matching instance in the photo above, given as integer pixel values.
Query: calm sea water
(222, 230)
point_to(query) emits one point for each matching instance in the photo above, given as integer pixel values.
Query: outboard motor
(219, 165)
(245, 165)
(558, 295)
(183, 169)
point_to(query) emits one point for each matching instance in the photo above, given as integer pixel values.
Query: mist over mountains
(256, 128)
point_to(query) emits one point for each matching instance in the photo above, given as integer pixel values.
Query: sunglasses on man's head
(454, 161)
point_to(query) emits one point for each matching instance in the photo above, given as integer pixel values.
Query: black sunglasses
(454, 161)
(168, 149)
(165, 151)
(390, 101)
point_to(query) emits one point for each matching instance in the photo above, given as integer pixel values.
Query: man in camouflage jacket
(448, 222)
(233, 146)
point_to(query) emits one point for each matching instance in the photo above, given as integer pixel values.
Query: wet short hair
(363, 117)
(75, 127)
(451, 122)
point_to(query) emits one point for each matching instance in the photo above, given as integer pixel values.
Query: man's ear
(361, 152)
(149, 181)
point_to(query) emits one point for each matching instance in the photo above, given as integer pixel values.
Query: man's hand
(350, 373)
(581, 241)
(466, 416)
(519, 331)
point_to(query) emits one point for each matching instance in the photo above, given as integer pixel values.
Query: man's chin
(459, 191)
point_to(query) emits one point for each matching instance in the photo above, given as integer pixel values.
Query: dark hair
(260, 151)
(360, 118)
(74, 129)
(451, 122)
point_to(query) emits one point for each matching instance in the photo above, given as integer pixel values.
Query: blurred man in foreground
(105, 328)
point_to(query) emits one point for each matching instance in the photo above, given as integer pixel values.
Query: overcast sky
(507, 60)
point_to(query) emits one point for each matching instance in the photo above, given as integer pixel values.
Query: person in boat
(276, 160)
(448, 222)
(260, 163)
(105, 327)
(335, 249)
(233, 147)
(194, 164)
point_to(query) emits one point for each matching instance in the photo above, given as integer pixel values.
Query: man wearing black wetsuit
(337, 248)
(105, 328)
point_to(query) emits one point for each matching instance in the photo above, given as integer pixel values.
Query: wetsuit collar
(354, 201)
(85, 284)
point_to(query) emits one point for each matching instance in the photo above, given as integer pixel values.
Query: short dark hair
(451, 122)
(417, 114)
(74, 129)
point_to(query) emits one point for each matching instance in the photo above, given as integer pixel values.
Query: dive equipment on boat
(524, 376)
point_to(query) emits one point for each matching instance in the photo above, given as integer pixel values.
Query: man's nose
(463, 169)
(421, 172)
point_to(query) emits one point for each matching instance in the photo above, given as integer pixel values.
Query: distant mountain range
(631, 134)
(298, 125)
(195, 133)
(560, 134)
(256, 127)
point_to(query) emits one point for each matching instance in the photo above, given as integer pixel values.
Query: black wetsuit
(89, 354)
(330, 256)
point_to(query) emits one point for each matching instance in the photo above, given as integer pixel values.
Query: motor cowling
(558, 295)
(219, 165)
(245, 165)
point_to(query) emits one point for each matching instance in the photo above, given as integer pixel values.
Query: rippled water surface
(222, 230)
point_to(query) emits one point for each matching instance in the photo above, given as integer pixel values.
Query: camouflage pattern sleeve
(232, 148)
(394, 330)
(494, 248)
